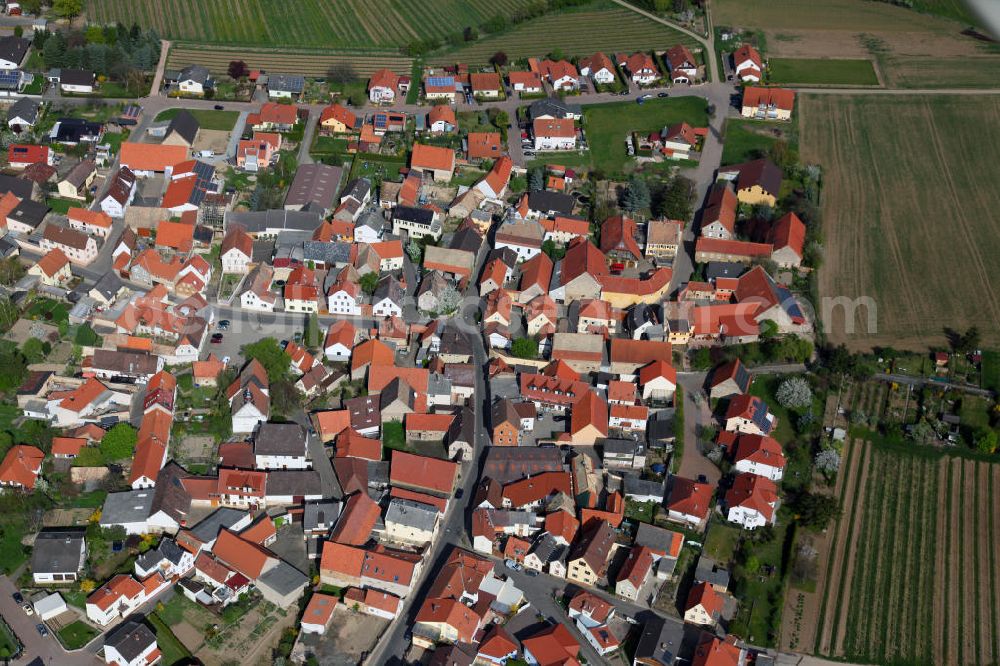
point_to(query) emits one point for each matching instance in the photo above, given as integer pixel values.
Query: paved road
(454, 528)
(307, 137)
(45, 648)
(697, 415)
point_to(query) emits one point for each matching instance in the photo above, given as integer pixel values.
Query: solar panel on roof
(10, 78)
(440, 81)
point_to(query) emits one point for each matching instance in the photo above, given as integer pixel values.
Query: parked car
(512, 565)
(218, 107)
(224, 325)
(531, 572)
(28, 609)
(42, 631)
(216, 338)
(663, 94)
(459, 493)
(226, 360)
(19, 598)
(623, 93)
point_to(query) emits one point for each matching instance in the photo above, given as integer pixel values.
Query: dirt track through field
(982, 560)
(834, 590)
(994, 541)
(955, 596)
(941, 565)
(967, 564)
(860, 539)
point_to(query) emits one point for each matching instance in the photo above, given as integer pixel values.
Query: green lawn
(61, 206)
(991, 369)
(35, 87)
(376, 166)
(12, 553)
(822, 71)
(207, 119)
(640, 511)
(173, 650)
(606, 125)
(329, 144)
(75, 598)
(745, 139)
(720, 544)
(393, 436)
(76, 634)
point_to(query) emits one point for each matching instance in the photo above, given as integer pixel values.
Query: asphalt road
(46, 648)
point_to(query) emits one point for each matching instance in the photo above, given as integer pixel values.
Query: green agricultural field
(344, 24)
(573, 33)
(822, 71)
(210, 120)
(911, 576)
(606, 125)
(311, 62)
(909, 222)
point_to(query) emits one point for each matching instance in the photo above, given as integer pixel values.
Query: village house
(554, 134)
(767, 103)
(681, 63)
(53, 269)
(599, 68)
(747, 64)
(382, 87)
(752, 501)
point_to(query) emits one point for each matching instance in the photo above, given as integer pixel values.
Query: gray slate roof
(57, 551)
(280, 439)
(294, 482)
(131, 639)
(412, 514)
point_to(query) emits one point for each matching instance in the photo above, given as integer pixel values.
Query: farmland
(310, 23)
(308, 62)
(908, 222)
(911, 49)
(573, 33)
(822, 71)
(911, 572)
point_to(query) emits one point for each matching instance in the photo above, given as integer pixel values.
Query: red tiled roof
(94, 218)
(244, 556)
(538, 487)
(618, 233)
(357, 521)
(53, 262)
(759, 449)
(432, 157)
(20, 466)
(483, 145)
(67, 446)
(562, 128)
(339, 113)
(589, 411)
(790, 232)
(320, 609)
(562, 524)
(702, 594)
(779, 97)
(690, 497)
(424, 472)
(151, 156)
(175, 235)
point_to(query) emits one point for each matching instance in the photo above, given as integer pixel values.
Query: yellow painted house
(756, 182)
(588, 560)
(335, 119)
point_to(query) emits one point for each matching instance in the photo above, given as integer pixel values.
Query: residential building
(767, 103)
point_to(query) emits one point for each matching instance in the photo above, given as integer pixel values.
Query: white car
(28, 609)
(511, 564)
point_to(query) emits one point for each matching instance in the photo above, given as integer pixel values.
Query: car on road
(216, 338)
(512, 565)
(27, 608)
(218, 107)
(459, 493)
(663, 94)
(224, 325)
(42, 631)
(18, 598)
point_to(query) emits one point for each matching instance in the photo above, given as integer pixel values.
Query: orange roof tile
(437, 158)
(245, 557)
(151, 156)
(423, 472)
(53, 262)
(355, 525)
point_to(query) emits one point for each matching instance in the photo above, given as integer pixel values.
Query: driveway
(45, 648)
(696, 415)
(307, 137)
